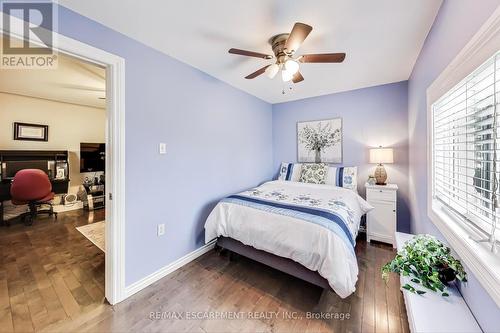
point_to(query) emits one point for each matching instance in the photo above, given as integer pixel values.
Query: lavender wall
(371, 117)
(456, 23)
(218, 142)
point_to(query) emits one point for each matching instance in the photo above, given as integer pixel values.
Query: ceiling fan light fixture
(272, 70)
(284, 47)
(286, 75)
(291, 66)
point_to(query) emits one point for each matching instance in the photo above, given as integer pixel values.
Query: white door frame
(115, 150)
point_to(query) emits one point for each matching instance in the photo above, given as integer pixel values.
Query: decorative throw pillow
(314, 173)
(349, 178)
(290, 172)
(283, 171)
(345, 177)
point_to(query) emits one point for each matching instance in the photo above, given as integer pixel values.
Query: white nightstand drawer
(380, 195)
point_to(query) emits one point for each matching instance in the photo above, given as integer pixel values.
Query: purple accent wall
(218, 139)
(370, 117)
(455, 24)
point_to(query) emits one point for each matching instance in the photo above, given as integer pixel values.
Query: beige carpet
(95, 233)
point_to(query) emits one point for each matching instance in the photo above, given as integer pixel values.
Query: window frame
(477, 257)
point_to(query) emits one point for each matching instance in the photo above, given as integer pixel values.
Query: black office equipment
(12, 167)
(92, 157)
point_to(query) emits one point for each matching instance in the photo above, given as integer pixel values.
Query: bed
(306, 230)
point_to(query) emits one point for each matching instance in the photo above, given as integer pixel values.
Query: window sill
(477, 257)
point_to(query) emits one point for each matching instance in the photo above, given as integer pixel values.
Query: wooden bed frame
(282, 264)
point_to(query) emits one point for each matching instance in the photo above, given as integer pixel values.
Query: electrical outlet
(163, 148)
(161, 229)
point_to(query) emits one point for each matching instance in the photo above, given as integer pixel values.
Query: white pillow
(331, 176)
(290, 171)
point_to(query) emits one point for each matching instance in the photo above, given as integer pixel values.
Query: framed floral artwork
(320, 141)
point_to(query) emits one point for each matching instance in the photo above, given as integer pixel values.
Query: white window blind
(465, 147)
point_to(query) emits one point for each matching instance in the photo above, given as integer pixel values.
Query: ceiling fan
(284, 47)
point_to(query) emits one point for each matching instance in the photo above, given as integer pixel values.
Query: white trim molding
(483, 45)
(477, 257)
(164, 271)
(115, 148)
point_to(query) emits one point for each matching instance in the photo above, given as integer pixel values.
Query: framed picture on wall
(31, 132)
(320, 141)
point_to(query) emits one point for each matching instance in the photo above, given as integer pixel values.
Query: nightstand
(381, 222)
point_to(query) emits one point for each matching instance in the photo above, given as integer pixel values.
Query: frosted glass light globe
(272, 70)
(291, 66)
(286, 75)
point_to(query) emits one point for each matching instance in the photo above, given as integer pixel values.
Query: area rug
(94, 232)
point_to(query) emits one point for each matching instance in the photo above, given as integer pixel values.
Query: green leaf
(408, 287)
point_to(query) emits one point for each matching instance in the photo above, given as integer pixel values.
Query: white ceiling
(382, 38)
(74, 81)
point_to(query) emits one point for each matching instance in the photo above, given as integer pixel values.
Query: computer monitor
(12, 167)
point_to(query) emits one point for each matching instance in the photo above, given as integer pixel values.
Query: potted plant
(428, 263)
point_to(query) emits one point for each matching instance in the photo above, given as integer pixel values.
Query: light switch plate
(161, 229)
(163, 148)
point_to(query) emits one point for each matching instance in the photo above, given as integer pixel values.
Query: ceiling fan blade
(257, 73)
(297, 77)
(299, 33)
(322, 58)
(250, 53)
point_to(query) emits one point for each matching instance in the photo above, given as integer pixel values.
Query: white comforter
(319, 248)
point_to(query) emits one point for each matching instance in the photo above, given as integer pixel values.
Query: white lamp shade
(381, 155)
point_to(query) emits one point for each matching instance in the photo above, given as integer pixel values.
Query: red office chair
(32, 187)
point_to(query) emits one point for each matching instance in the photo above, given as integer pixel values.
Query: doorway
(115, 151)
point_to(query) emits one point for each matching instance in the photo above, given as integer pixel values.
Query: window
(465, 151)
(462, 149)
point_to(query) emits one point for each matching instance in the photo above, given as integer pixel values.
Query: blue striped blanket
(329, 219)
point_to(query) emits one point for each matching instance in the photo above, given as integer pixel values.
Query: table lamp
(378, 156)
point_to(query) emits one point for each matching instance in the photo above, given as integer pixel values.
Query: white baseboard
(164, 271)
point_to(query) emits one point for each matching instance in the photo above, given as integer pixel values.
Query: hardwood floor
(49, 272)
(52, 279)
